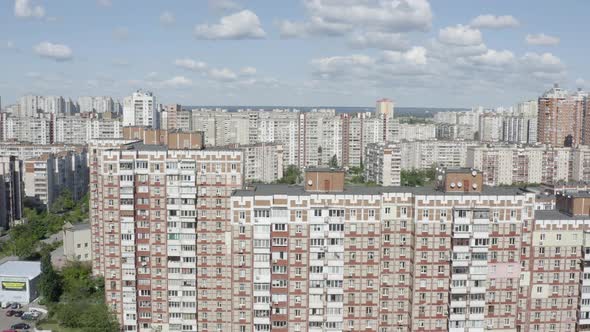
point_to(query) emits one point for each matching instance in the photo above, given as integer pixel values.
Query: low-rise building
(19, 281)
(77, 242)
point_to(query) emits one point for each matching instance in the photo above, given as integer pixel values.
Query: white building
(263, 162)
(100, 104)
(383, 164)
(426, 154)
(19, 281)
(141, 109)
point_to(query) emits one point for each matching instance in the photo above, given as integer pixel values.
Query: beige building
(263, 162)
(47, 176)
(383, 164)
(77, 242)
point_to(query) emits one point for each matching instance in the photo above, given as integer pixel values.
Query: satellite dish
(440, 177)
(459, 184)
(474, 186)
(452, 184)
(474, 173)
(309, 182)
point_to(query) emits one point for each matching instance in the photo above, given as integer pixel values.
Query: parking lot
(6, 322)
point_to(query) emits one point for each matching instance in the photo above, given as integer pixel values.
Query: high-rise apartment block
(385, 107)
(148, 204)
(263, 162)
(102, 104)
(561, 117)
(11, 191)
(383, 164)
(141, 109)
(49, 175)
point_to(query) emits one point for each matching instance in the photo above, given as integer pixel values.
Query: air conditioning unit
(274, 261)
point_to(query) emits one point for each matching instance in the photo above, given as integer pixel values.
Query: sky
(420, 53)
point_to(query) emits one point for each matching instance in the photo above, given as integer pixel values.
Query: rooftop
(78, 226)
(295, 190)
(22, 269)
(556, 215)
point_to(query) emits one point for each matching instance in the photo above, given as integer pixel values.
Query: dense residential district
(137, 216)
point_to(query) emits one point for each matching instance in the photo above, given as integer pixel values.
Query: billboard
(14, 285)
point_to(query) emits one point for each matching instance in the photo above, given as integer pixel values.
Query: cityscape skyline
(492, 54)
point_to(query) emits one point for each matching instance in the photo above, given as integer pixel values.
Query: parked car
(21, 326)
(6, 305)
(15, 306)
(18, 313)
(10, 313)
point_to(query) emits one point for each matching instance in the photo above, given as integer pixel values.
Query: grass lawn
(54, 327)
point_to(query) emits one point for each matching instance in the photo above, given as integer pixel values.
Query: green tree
(334, 162)
(50, 281)
(292, 175)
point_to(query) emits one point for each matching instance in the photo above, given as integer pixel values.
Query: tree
(50, 282)
(334, 162)
(292, 175)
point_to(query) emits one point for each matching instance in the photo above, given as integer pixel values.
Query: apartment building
(561, 117)
(263, 162)
(11, 191)
(145, 204)
(383, 164)
(511, 164)
(97, 104)
(24, 151)
(34, 130)
(330, 258)
(141, 109)
(426, 154)
(416, 132)
(48, 175)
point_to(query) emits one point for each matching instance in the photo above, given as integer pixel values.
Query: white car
(6, 305)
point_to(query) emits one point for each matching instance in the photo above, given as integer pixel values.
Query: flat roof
(557, 215)
(296, 190)
(22, 269)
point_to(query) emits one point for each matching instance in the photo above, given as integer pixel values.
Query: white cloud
(546, 62)
(177, 81)
(167, 18)
(494, 58)
(190, 64)
(58, 52)
(224, 5)
(337, 17)
(248, 71)
(222, 74)
(542, 39)
(460, 35)
(379, 40)
(105, 3)
(26, 9)
(242, 25)
(121, 63)
(414, 56)
(494, 22)
(121, 33)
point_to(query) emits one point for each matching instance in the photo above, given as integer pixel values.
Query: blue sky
(437, 53)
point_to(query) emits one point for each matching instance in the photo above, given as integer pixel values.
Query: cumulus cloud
(332, 17)
(494, 22)
(545, 62)
(104, 3)
(460, 35)
(121, 33)
(190, 64)
(241, 25)
(542, 39)
(177, 81)
(27, 9)
(222, 74)
(248, 71)
(379, 40)
(167, 18)
(224, 5)
(414, 56)
(494, 58)
(58, 52)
